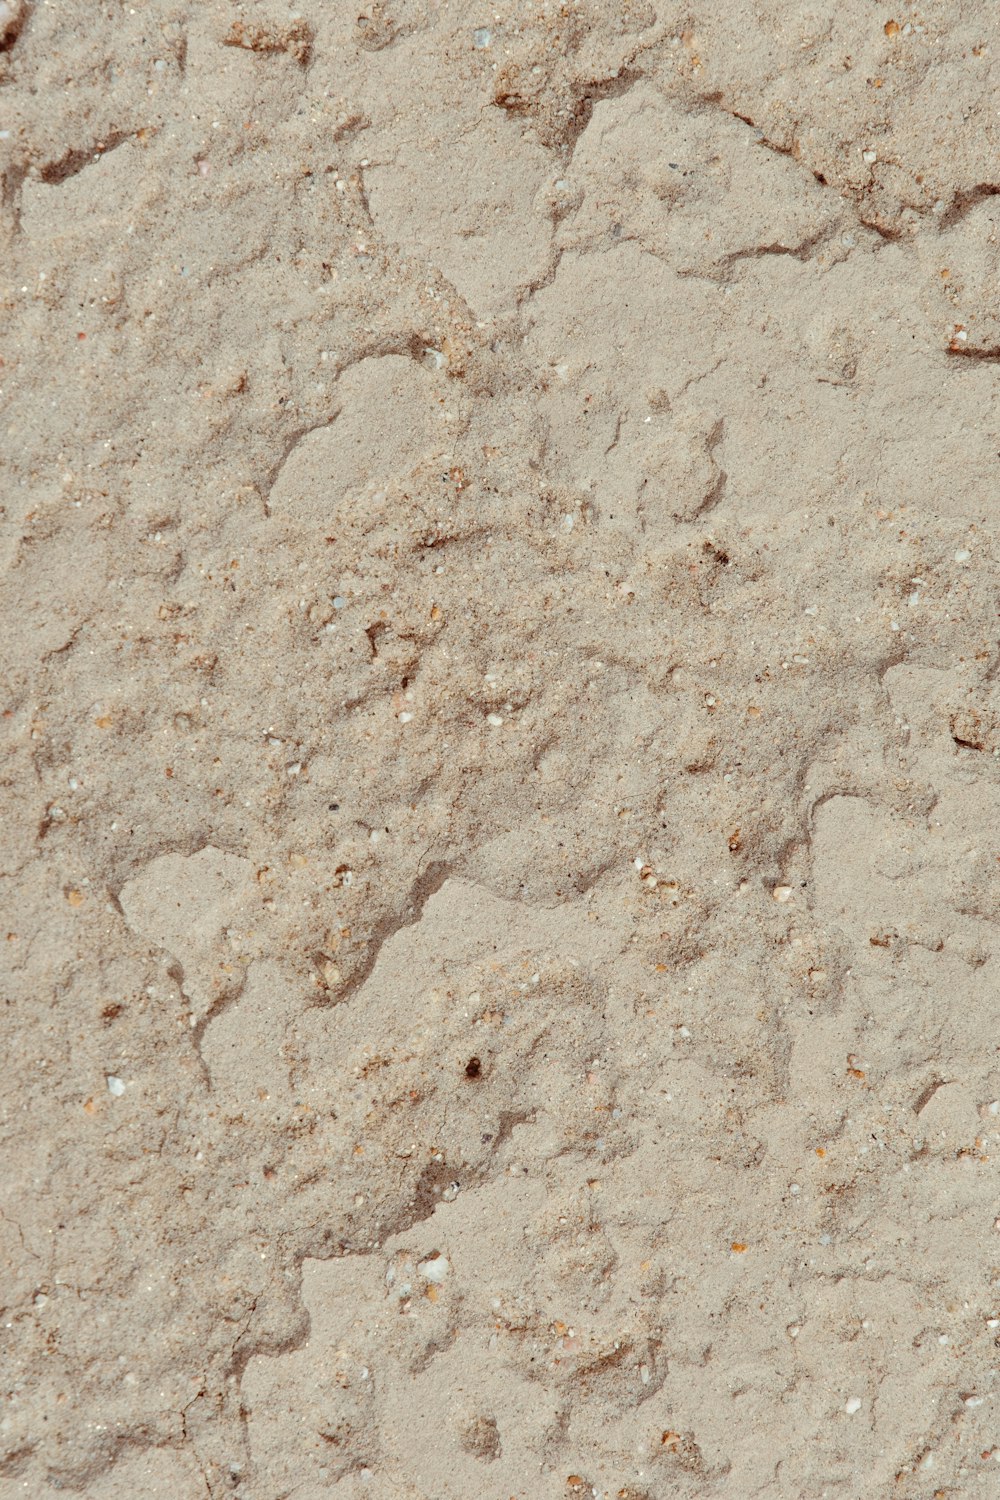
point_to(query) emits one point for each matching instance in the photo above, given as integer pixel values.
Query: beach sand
(501, 794)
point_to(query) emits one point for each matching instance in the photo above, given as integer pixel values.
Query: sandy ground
(501, 719)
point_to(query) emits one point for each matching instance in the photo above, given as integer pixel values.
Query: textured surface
(501, 720)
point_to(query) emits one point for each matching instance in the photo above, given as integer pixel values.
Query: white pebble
(852, 1405)
(782, 893)
(481, 37)
(434, 1270)
(339, 601)
(962, 555)
(115, 1086)
(404, 718)
(495, 720)
(869, 156)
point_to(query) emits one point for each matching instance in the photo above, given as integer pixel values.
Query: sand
(501, 801)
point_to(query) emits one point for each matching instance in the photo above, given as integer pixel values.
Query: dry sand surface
(501, 720)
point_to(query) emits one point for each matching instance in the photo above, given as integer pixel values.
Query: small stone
(434, 1269)
(870, 157)
(115, 1086)
(782, 893)
(495, 720)
(482, 37)
(404, 718)
(962, 555)
(852, 1405)
(9, 15)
